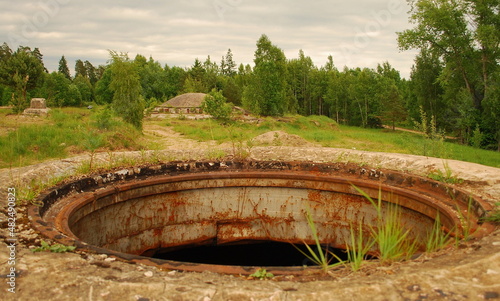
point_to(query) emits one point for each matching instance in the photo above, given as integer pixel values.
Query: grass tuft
(436, 238)
(493, 216)
(357, 248)
(466, 218)
(446, 176)
(389, 234)
(320, 257)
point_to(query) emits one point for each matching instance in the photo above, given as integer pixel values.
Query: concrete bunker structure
(188, 103)
(137, 212)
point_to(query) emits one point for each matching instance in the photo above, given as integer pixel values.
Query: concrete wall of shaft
(212, 203)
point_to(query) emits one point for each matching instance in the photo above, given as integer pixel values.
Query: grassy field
(70, 131)
(326, 132)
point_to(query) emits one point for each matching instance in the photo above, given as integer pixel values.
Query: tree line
(455, 78)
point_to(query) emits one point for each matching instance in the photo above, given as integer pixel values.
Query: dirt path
(413, 131)
(168, 139)
(470, 272)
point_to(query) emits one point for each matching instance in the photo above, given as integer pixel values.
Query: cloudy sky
(357, 33)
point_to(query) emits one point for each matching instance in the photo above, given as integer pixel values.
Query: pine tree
(80, 69)
(91, 72)
(197, 71)
(211, 73)
(63, 67)
(392, 104)
(39, 56)
(195, 80)
(103, 92)
(228, 66)
(223, 65)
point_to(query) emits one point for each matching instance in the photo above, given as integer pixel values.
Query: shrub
(103, 119)
(216, 105)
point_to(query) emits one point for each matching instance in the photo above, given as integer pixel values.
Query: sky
(357, 33)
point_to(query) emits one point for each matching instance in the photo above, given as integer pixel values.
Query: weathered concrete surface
(469, 272)
(142, 209)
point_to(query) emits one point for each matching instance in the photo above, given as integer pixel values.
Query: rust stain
(168, 209)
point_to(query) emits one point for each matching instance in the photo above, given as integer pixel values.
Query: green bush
(103, 119)
(216, 105)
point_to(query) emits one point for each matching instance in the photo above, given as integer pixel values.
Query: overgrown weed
(433, 144)
(446, 176)
(241, 145)
(215, 154)
(390, 236)
(55, 248)
(321, 257)
(28, 192)
(466, 218)
(262, 274)
(358, 247)
(493, 216)
(437, 238)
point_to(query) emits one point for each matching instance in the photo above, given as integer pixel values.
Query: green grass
(326, 132)
(436, 237)
(262, 274)
(320, 257)
(389, 234)
(446, 176)
(63, 131)
(466, 218)
(384, 140)
(358, 247)
(29, 191)
(55, 248)
(493, 216)
(206, 130)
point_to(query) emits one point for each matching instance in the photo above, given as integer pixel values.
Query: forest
(454, 82)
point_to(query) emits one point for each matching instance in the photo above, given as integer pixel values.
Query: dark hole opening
(248, 254)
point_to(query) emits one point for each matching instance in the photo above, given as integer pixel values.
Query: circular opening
(232, 216)
(266, 253)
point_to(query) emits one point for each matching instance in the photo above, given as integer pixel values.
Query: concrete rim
(423, 192)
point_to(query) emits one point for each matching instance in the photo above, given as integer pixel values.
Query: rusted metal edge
(181, 174)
